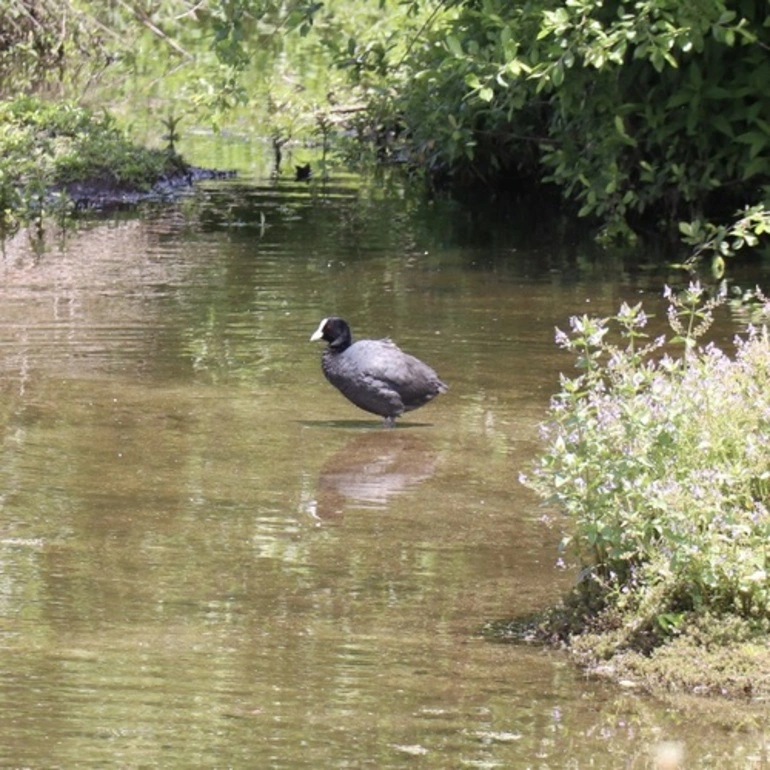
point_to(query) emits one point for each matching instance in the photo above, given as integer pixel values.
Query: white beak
(319, 332)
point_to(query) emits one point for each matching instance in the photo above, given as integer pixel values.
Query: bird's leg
(390, 422)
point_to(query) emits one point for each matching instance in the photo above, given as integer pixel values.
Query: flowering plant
(661, 462)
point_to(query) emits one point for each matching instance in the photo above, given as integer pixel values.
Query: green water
(208, 558)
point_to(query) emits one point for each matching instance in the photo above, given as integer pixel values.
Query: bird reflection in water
(369, 470)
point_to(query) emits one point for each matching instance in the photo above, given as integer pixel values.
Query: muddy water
(208, 558)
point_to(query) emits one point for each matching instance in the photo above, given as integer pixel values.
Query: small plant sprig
(690, 315)
(718, 242)
(172, 136)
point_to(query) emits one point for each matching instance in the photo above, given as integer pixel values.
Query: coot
(376, 375)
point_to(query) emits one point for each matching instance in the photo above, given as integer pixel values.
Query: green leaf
(515, 67)
(722, 124)
(758, 142)
(717, 92)
(694, 74)
(472, 81)
(758, 165)
(669, 57)
(620, 127)
(679, 98)
(669, 622)
(486, 94)
(454, 45)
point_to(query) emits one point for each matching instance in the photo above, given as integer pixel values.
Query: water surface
(208, 558)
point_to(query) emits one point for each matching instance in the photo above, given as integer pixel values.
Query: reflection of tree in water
(103, 295)
(370, 469)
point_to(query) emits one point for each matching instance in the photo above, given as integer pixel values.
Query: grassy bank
(657, 455)
(54, 156)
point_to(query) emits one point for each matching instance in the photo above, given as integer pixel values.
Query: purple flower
(561, 338)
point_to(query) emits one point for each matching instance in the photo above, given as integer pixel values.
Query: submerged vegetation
(659, 461)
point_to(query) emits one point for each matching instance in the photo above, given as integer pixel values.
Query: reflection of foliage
(42, 41)
(243, 61)
(751, 306)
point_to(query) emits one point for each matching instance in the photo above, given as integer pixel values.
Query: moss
(715, 655)
(736, 670)
(712, 656)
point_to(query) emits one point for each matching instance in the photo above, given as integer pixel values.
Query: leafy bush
(40, 41)
(661, 463)
(639, 113)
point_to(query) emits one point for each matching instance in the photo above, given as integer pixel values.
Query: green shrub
(639, 113)
(661, 463)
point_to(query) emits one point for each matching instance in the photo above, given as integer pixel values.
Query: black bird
(376, 375)
(303, 173)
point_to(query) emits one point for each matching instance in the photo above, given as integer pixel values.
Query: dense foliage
(638, 113)
(661, 464)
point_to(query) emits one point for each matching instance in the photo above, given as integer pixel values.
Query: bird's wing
(387, 363)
